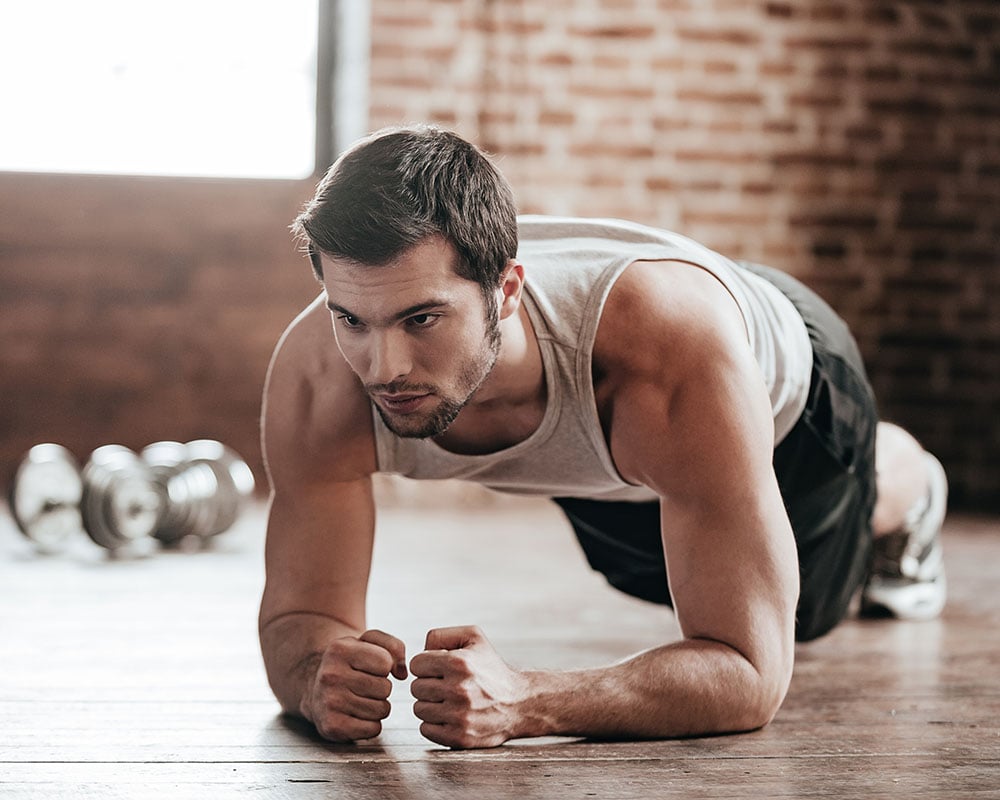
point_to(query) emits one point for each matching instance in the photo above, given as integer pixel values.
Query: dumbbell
(123, 501)
(45, 496)
(204, 485)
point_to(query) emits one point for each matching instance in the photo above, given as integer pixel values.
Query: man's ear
(511, 285)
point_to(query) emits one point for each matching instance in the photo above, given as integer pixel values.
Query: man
(706, 427)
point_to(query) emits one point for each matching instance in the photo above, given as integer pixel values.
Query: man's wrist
(533, 717)
(304, 674)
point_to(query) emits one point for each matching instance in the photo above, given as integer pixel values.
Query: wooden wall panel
(137, 309)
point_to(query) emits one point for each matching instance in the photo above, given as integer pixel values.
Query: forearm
(292, 646)
(693, 687)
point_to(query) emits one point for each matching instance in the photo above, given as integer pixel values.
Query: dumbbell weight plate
(189, 482)
(167, 460)
(121, 505)
(45, 496)
(203, 484)
(235, 481)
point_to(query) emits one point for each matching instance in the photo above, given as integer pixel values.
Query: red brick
(556, 59)
(781, 69)
(613, 31)
(834, 44)
(720, 35)
(880, 14)
(779, 10)
(816, 100)
(824, 12)
(558, 118)
(720, 96)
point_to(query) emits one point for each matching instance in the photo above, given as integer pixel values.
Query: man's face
(415, 333)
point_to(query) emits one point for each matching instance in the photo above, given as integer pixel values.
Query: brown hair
(398, 186)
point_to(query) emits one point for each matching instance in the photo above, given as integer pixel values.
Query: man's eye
(349, 321)
(423, 320)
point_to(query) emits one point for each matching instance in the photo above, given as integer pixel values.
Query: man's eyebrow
(417, 308)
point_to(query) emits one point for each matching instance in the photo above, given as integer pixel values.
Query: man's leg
(907, 577)
(837, 518)
(900, 475)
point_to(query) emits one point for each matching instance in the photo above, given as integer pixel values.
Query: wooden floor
(143, 679)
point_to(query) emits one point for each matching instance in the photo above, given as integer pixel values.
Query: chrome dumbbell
(45, 496)
(121, 504)
(125, 502)
(204, 485)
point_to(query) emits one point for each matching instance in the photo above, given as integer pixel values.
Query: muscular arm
(689, 417)
(321, 662)
(694, 423)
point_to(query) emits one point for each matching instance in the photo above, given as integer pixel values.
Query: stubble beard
(473, 375)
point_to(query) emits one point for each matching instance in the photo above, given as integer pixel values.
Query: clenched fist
(348, 697)
(466, 695)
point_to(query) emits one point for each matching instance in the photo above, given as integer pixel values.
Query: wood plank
(457, 775)
(143, 678)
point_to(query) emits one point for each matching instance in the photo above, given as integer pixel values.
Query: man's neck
(510, 404)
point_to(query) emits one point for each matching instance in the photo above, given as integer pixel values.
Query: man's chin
(409, 426)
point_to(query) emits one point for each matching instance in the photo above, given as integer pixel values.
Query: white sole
(918, 600)
(922, 596)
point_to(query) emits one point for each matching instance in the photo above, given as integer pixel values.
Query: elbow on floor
(764, 705)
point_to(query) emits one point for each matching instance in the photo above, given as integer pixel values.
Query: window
(189, 87)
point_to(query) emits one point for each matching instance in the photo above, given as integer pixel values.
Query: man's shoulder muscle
(670, 332)
(663, 321)
(316, 417)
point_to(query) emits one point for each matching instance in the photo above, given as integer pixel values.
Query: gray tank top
(570, 266)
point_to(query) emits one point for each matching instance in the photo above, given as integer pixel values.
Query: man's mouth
(404, 403)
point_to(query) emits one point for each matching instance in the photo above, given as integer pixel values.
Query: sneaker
(907, 579)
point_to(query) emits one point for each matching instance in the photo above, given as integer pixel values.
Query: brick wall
(855, 144)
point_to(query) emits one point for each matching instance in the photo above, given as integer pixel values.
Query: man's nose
(389, 359)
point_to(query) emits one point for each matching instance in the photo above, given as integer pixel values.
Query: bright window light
(190, 87)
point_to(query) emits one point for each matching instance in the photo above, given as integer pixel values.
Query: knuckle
(461, 692)
(427, 732)
(339, 728)
(326, 677)
(330, 676)
(331, 730)
(435, 734)
(460, 664)
(334, 659)
(384, 660)
(331, 704)
(339, 647)
(383, 708)
(368, 730)
(463, 741)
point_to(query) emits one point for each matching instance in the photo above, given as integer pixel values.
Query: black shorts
(826, 472)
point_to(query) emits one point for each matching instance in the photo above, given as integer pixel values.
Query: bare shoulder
(665, 324)
(674, 369)
(316, 418)
(665, 317)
